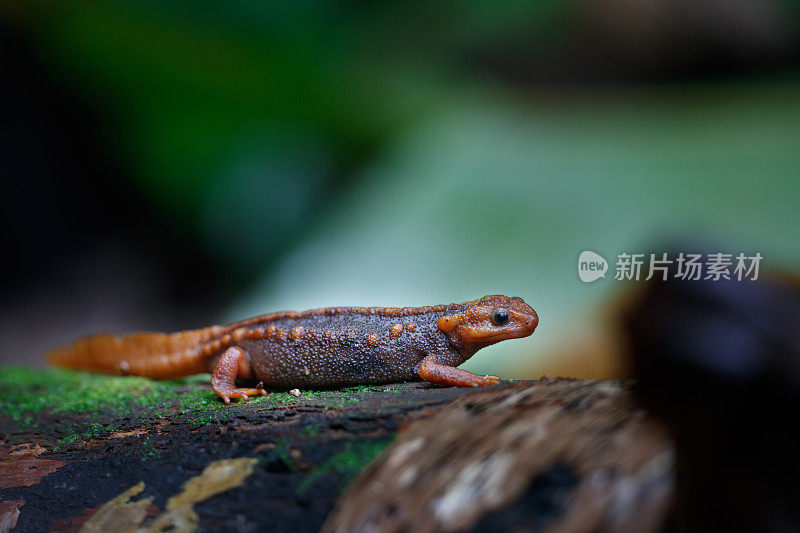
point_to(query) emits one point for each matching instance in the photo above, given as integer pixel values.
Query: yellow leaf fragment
(119, 514)
(218, 476)
(122, 515)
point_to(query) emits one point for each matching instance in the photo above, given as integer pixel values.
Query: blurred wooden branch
(566, 456)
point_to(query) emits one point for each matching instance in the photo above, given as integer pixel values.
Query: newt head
(489, 320)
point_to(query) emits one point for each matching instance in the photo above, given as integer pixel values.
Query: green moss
(30, 390)
(285, 397)
(331, 398)
(93, 431)
(201, 407)
(346, 464)
(285, 455)
(148, 450)
(204, 418)
(311, 430)
(359, 389)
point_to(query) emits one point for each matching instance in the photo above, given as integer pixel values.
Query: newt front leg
(431, 370)
(233, 363)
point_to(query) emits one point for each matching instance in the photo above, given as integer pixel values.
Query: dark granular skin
(349, 348)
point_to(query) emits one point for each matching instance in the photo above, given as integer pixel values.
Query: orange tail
(153, 355)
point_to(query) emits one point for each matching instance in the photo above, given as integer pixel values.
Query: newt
(318, 348)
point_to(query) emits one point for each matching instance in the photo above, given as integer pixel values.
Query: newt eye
(500, 317)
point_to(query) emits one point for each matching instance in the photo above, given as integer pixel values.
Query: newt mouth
(501, 335)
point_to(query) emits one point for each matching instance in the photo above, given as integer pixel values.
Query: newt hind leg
(233, 363)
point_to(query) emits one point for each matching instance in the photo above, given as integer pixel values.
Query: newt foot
(236, 392)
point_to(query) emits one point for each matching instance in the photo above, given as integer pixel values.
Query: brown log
(562, 456)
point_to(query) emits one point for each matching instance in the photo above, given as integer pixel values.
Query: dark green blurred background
(171, 165)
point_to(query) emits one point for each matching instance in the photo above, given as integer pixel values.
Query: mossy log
(89, 452)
